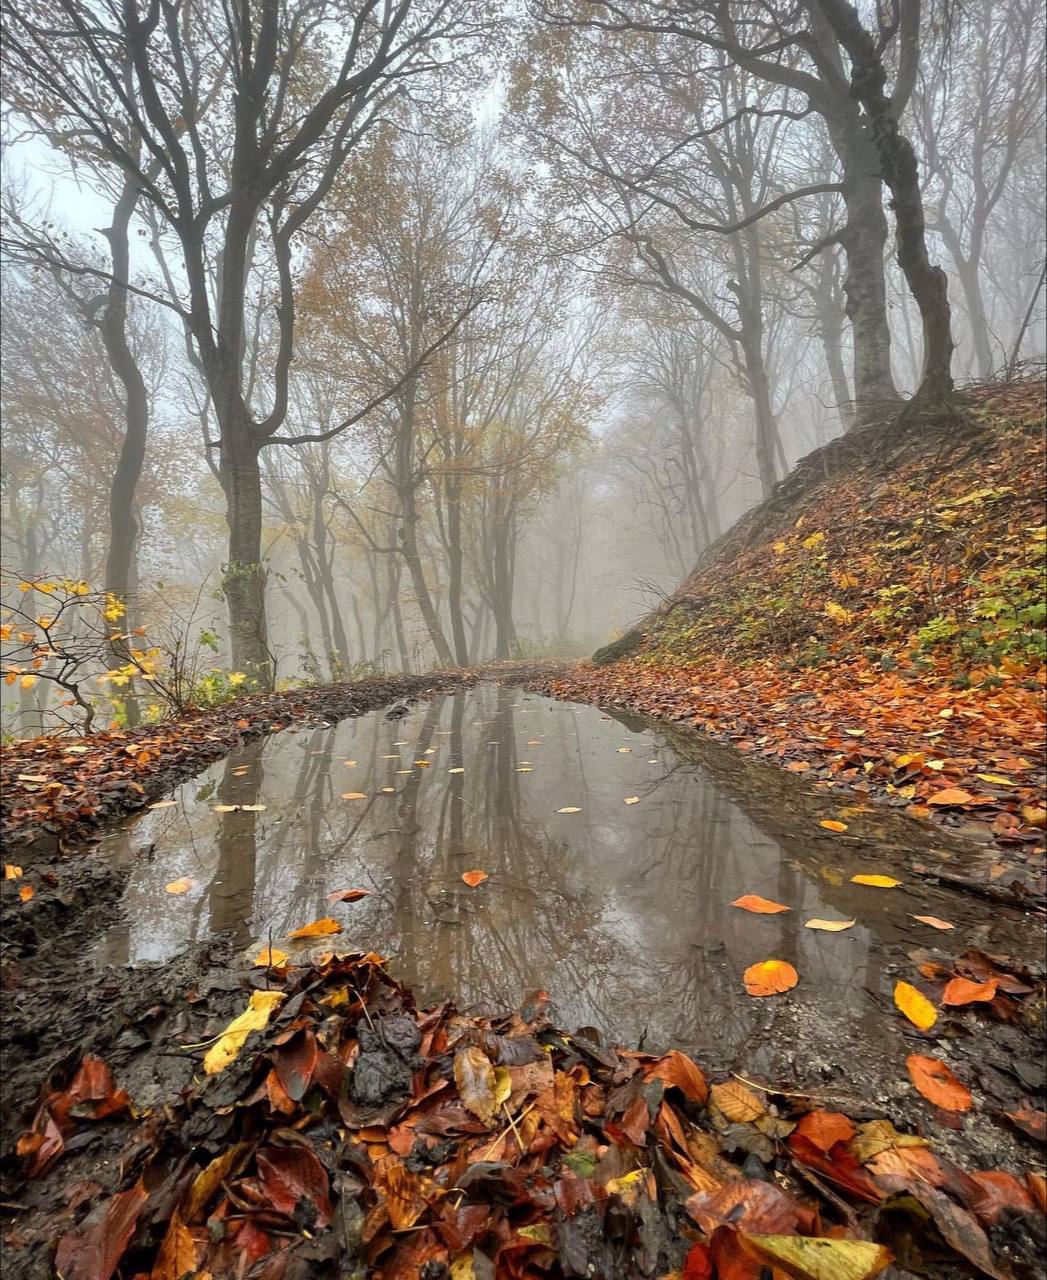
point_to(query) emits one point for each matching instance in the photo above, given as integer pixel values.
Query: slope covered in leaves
(878, 623)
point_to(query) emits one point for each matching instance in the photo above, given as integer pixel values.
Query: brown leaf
(92, 1251)
(678, 1071)
(290, 1176)
(177, 1256)
(209, 1180)
(936, 1081)
(475, 1078)
(1032, 1123)
(348, 895)
(736, 1101)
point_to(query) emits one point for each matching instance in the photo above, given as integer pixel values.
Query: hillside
(878, 623)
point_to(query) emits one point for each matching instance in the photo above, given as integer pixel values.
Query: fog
(454, 331)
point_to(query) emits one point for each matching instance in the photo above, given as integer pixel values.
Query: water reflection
(619, 910)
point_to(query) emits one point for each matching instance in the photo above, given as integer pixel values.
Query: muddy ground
(58, 1005)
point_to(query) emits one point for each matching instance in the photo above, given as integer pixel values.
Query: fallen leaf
(209, 1180)
(934, 922)
(293, 1177)
(317, 928)
(829, 926)
(11, 872)
(760, 906)
(996, 778)
(950, 796)
(817, 1258)
(830, 824)
(270, 958)
(475, 1077)
(770, 977)
(252, 808)
(356, 795)
(622, 751)
(678, 1071)
(178, 886)
(936, 1081)
(225, 808)
(256, 1016)
(473, 878)
(162, 804)
(92, 1251)
(736, 1101)
(1032, 1123)
(961, 991)
(824, 1129)
(26, 892)
(915, 1005)
(570, 808)
(348, 895)
(877, 882)
(459, 770)
(177, 1256)
(632, 799)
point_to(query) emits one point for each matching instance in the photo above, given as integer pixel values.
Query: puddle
(619, 910)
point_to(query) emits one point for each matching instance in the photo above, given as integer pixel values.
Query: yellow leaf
(830, 824)
(815, 540)
(632, 799)
(162, 804)
(317, 928)
(877, 882)
(259, 1010)
(915, 1005)
(622, 751)
(736, 1101)
(997, 779)
(456, 771)
(225, 808)
(27, 682)
(355, 795)
(778, 548)
(11, 872)
(829, 926)
(252, 808)
(845, 580)
(571, 808)
(270, 958)
(818, 1258)
(178, 886)
(838, 613)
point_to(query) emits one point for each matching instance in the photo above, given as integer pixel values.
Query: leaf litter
(364, 1136)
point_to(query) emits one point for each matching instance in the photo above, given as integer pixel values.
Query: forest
(522, 632)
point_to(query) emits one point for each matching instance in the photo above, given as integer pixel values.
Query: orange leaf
(473, 878)
(830, 824)
(26, 892)
(677, 1070)
(770, 978)
(937, 1083)
(348, 895)
(178, 886)
(959, 991)
(951, 795)
(824, 1129)
(317, 928)
(354, 795)
(270, 958)
(934, 922)
(761, 906)
(915, 1005)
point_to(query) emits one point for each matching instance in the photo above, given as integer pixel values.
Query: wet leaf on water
(624, 751)
(317, 928)
(830, 926)
(808, 1258)
(162, 804)
(934, 922)
(348, 895)
(936, 1081)
(181, 885)
(457, 770)
(26, 892)
(770, 978)
(225, 808)
(256, 1016)
(760, 906)
(524, 768)
(830, 824)
(357, 795)
(961, 991)
(915, 1005)
(877, 882)
(570, 808)
(253, 808)
(473, 878)
(11, 872)
(270, 958)
(632, 800)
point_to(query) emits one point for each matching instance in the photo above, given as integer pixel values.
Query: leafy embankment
(879, 623)
(330, 1128)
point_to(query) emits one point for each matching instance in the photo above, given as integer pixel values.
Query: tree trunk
(244, 578)
(865, 286)
(504, 631)
(412, 556)
(455, 563)
(899, 170)
(766, 428)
